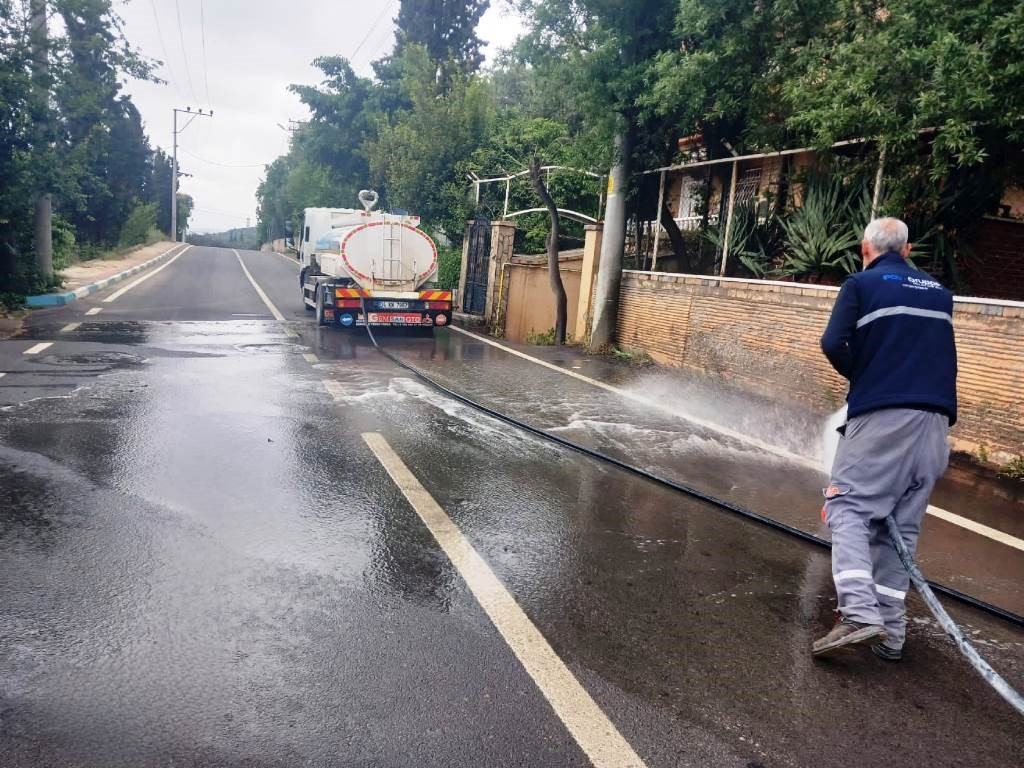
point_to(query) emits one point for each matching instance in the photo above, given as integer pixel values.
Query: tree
(414, 158)
(446, 30)
(554, 275)
(103, 149)
(603, 49)
(75, 134)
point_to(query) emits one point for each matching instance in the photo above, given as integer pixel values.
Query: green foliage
(1014, 469)
(139, 226)
(912, 65)
(11, 301)
(637, 357)
(449, 265)
(414, 157)
(73, 134)
(446, 31)
(541, 338)
(823, 233)
(64, 248)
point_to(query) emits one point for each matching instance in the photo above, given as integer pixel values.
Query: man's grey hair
(887, 234)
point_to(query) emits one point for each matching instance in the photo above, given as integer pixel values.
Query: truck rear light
(445, 305)
(348, 303)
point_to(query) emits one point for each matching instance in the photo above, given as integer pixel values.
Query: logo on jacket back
(891, 276)
(924, 285)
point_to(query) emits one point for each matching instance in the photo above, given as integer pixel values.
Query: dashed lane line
(310, 358)
(70, 327)
(2, 374)
(94, 311)
(119, 293)
(596, 735)
(36, 349)
(950, 517)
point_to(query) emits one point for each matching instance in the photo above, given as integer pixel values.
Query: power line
(386, 40)
(222, 165)
(184, 53)
(370, 31)
(202, 34)
(163, 47)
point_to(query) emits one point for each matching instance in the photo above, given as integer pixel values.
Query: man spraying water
(891, 335)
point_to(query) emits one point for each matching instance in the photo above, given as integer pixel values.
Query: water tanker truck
(355, 260)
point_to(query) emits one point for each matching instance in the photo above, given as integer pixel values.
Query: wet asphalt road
(201, 562)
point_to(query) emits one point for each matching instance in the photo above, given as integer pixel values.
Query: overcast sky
(254, 49)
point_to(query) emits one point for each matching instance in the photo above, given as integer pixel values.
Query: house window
(747, 184)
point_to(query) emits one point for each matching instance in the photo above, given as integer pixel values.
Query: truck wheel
(320, 306)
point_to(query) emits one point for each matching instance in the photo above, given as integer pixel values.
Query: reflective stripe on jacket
(891, 335)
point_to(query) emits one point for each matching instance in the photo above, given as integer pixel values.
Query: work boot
(846, 634)
(883, 651)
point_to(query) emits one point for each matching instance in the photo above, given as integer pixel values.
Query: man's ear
(906, 250)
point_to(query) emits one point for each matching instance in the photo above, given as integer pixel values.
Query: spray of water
(830, 438)
(786, 430)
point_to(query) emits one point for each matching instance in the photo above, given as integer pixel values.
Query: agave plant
(753, 239)
(822, 235)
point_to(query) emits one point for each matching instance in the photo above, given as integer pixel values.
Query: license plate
(393, 304)
(394, 318)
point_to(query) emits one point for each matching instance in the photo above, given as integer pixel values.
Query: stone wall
(764, 335)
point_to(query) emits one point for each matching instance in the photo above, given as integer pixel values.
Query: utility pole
(174, 162)
(613, 244)
(38, 37)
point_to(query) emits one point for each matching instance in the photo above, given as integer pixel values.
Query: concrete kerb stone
(58, 299)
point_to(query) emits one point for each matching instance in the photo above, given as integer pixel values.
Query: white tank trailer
(354, 258)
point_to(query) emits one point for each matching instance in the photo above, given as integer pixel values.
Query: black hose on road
(925, 588)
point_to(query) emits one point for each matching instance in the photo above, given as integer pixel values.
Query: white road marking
(69, 327)
(590, 727)
(266, 299)
(94, 311)
(950, 517)
(310, 358)
(334, 389)
(2, 374)
(289, 259)
(119, 293)
(982, 530)
(35, 350)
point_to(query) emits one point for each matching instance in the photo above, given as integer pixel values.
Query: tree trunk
(675, 237)
(554, 276)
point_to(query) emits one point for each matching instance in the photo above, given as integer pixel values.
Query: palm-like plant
(823, 233)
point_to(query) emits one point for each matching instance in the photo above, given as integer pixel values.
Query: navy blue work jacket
(891, 335)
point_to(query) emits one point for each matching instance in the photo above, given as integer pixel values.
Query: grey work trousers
(887, 464)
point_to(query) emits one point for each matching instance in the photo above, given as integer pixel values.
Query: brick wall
(997, 267)
(764, 335)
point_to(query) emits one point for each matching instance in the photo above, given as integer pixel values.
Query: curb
(58, 299)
